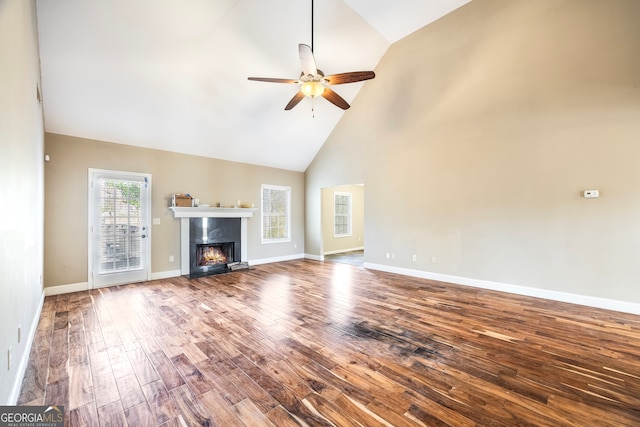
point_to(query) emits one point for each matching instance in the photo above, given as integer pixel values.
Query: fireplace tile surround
(211, 232)
(221, 225)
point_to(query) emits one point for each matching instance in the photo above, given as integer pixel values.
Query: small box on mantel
(182, 200)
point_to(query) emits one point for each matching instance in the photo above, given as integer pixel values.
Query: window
(341, 214)
(276, 214)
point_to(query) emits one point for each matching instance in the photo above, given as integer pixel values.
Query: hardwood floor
(320, 344)
(352, 257)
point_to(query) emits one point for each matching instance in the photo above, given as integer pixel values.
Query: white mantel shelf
(200, 212)
(211, 212)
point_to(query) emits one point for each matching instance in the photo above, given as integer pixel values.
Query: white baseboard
(314, 257)
(84, 286)
(66, 289)
(597, 302)
(165, 274)
(276, 259)
(340, 251)
(24, 360)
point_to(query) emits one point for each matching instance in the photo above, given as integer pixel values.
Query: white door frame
(119, 278)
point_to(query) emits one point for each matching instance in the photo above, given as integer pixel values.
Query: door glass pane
(120, 226)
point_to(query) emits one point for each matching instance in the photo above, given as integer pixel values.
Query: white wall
(21, 190)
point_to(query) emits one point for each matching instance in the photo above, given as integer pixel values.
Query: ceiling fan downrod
(311, 26)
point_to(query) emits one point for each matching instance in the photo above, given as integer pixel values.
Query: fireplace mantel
(209, 212)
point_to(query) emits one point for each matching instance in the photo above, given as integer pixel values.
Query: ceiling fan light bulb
(312, 89)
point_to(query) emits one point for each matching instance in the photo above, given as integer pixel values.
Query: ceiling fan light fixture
(312, 89)
(312, 80)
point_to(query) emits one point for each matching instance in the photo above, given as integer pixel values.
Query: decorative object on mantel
(233, 266)
(182, 200)
(237, 204)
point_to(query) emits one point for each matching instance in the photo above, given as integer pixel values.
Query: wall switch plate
(171, 258)
(590, 194)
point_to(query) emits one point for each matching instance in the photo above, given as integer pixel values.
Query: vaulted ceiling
(172, 74)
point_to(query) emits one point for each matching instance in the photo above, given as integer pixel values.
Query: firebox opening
(214, 254)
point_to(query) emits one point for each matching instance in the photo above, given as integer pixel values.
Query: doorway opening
(343, 224)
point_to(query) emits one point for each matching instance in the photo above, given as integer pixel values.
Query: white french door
(119, 218)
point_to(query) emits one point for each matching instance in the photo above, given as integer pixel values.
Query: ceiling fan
(313, 82)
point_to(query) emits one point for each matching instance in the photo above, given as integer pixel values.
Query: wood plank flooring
(325, 344)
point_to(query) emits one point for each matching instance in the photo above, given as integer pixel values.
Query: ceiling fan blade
(295, 100)
(334, 98)
(351, 77)
(272, 80)
(307, 60)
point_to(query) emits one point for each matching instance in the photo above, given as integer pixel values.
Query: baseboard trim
(66, 289)
(275, 259)
(589, 301)
(341, 251)
(14, 395)
(314, 257)
(84, 286)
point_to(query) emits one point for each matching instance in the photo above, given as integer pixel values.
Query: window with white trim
(276, 213)
(342, 214)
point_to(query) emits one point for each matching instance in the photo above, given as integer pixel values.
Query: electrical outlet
(434, 260)
(388, 255)
(171, 258)
(156, 221)
(414, 257)
(393, 256)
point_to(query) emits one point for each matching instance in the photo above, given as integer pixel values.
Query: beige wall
(333, 244)
(210, 180)
(21, 189)
(478, 135)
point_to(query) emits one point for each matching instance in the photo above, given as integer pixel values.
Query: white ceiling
(172, 74)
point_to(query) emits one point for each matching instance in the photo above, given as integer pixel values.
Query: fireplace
(214, 243)
(196, 228)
